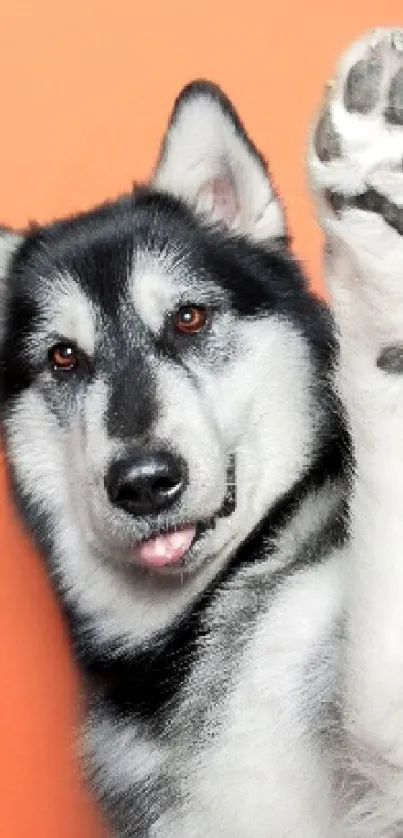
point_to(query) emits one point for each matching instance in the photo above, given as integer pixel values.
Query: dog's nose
(145, 484)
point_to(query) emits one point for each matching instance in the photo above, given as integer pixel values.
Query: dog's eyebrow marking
(159, 282)
(68, 312)
(155, 286)
(153, 295)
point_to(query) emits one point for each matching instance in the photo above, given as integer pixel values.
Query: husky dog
(213, 472)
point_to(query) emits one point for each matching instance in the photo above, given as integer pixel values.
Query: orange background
(86, 89)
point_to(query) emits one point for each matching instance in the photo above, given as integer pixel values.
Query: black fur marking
(229, 502)
(95, 248)
(17, 373)
(132, 404)
(370, 201)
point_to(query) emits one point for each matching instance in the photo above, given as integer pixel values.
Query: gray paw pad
(391, 360)
(362, 86)
(327, 140)
(394, 109)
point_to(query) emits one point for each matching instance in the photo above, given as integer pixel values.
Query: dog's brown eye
(64, 357)
(190, 319)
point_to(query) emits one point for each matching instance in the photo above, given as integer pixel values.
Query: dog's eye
(190, 319)
(63, 356)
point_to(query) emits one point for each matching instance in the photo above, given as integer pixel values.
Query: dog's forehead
(110, 270)
(128, 265)
(152, 284)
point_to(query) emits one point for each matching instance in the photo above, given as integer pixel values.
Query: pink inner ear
(218, 198)
(224, 199)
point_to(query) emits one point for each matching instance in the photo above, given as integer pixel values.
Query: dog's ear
(9, 241)
(208, 160)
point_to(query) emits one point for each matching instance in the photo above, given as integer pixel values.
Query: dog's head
(159, 359)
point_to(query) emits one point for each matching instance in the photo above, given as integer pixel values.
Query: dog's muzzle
(169, 545)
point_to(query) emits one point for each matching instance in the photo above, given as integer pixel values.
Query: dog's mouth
(168, 547)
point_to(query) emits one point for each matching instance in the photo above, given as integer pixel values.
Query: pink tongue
(165, 549)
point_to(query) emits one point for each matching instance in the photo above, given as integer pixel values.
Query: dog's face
(157, 389)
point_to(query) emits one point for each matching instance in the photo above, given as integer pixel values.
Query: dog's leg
(356, 171)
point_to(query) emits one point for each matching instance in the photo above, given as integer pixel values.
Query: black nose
(145, 483)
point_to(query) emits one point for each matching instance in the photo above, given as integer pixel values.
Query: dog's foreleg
(356, 171)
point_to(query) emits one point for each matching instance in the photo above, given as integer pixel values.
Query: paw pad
(361, 90)
(394, 108)
(390, 360)
(327, 140)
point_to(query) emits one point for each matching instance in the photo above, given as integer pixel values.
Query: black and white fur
(257, 688)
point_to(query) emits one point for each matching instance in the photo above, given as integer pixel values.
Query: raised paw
(356, 171)
(356, 147)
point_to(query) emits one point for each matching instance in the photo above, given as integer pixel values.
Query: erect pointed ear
(208, 160)
(9, 242)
